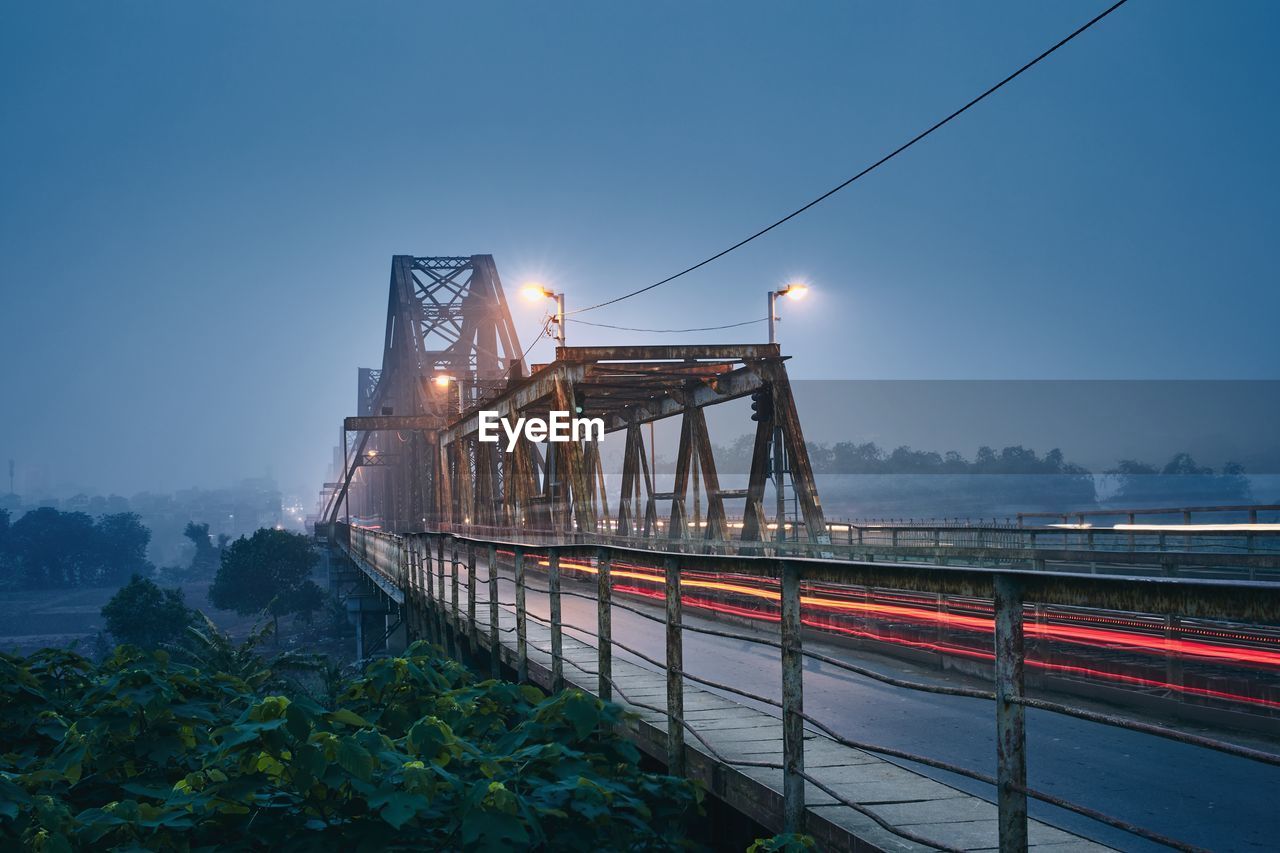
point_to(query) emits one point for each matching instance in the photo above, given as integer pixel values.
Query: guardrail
(1186, 513)
(409, 560)
(1250, 555)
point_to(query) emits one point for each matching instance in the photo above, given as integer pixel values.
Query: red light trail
(924, 613)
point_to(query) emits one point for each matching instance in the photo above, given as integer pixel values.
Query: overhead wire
(885, 159)
(669, 331)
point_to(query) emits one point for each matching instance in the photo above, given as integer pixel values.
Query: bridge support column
(396, 630)
(1011, 735)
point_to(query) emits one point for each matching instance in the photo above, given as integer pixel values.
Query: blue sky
(199, 201)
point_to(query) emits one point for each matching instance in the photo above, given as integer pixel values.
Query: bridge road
(1198, 796)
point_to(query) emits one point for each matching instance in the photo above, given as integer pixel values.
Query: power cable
(672, 331)
(886, 158)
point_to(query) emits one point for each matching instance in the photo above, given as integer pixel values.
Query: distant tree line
(1180, 481)
(850, 457)
(1020, 479)
(50, 549)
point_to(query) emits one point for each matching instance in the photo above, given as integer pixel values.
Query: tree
(145, 615)
(8, 577)
(268, 571)
(205, 560)
(1181, 482)
(121, 544)
(54, 549)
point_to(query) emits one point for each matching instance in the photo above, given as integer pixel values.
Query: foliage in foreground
(145, 752)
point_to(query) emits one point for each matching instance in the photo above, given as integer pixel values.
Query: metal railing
(1252, 512)
(438, 615)
(1249, 555)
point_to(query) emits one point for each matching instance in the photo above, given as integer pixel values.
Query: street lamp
(795, 290)
(443, 381)
(534, 291)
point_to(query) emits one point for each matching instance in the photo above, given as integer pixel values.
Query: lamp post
(537, 291)
(443, 381)
(794, 290)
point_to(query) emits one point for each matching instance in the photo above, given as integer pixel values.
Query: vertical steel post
(557, 634)
(441, 628)
(419, 599)
(522, 646)
(792, 702)
(453, 583)
(1011, 734)
(495, 647)
(604, 624)
(473, 633)
(424, 568)
(675, 668)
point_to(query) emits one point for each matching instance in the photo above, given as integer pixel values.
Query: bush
(145, 615)
(269, 571)
(143, 752)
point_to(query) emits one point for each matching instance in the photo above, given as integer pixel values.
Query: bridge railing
(1246, 513)
(380, 553)
(1245, 555)
(433, 563)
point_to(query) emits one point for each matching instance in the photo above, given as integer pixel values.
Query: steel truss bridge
(524, 563)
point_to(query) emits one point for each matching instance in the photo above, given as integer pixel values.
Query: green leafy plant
(144, 751)
(788, 842)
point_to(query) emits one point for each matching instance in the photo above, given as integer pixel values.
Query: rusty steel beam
(370, 423)
(676, 352)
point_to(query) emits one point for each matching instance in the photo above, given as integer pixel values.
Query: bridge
(869, 683)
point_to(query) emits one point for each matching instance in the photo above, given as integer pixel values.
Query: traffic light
(762, 405)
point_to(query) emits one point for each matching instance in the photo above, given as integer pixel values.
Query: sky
(199, 201)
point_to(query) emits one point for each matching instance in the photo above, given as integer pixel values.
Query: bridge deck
(902, 797)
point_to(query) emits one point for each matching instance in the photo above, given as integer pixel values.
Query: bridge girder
(413, 459)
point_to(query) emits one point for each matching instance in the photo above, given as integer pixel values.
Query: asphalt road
(1197, 796)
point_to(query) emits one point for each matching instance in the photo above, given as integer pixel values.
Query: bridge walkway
(903, 798)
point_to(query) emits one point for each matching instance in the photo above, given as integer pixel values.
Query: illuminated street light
(794, 290)
(533, 290)
(442, 380)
